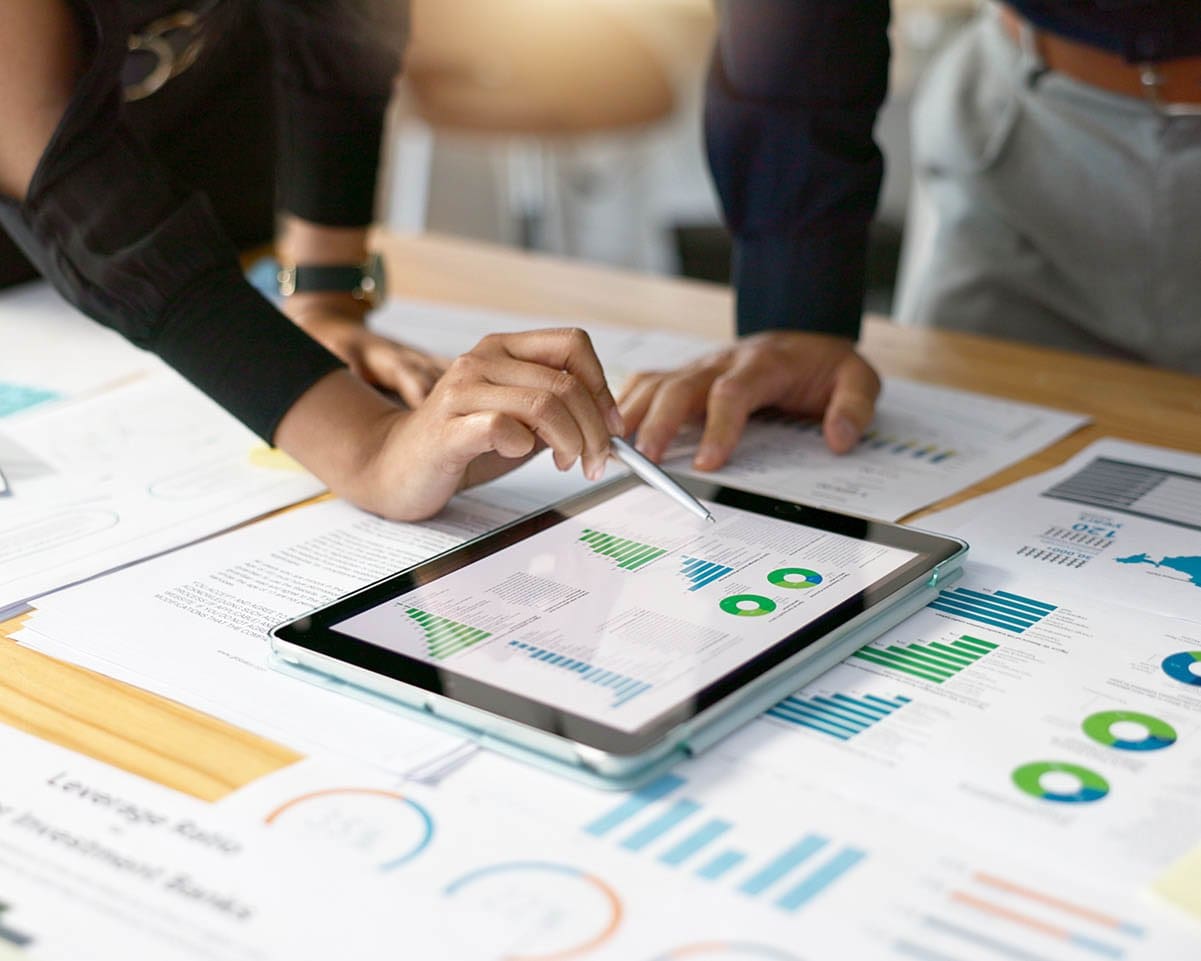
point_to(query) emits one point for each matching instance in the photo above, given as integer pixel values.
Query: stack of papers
(1000, 777)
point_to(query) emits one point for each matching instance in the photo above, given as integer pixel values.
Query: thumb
(852, 404)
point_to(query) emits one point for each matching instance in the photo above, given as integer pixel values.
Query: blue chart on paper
(1009, 612)
(1187, 565)
(699, 573)
(15, 398)
(659, 822)
(625, 689)
(838, 715)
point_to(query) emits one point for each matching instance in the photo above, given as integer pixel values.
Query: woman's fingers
(568, 349)
(571, 392)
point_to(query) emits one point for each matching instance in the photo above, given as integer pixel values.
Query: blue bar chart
(700, 573)
(659, 821)
(838, 715)
(625, 689)
(1001, 609)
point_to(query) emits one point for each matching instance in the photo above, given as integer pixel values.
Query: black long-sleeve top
(793, 93)
(144, 253)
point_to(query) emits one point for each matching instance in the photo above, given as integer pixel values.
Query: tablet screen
(628, 608)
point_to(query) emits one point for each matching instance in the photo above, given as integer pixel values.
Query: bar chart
(658, 821)
(993, 916)
(444, 637)
(838, 715)
(906, 447)
(933, 661)
(624, 688)
(699, 573)
(1000, 609)
(626, 554)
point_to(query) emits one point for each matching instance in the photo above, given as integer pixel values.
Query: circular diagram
(1061, 782)
(1129, 731)
(384, 828)
(1184, 667)
(747, 605)
(558, 911)
(795, 578)
(727, 951)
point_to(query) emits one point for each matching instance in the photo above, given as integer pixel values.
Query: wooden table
(192, 752)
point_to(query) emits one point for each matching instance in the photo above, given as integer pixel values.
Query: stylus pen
(654, 475)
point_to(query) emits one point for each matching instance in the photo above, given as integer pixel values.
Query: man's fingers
(734, 396)
(852, 404)
(636, 399)
(568, 349)
(677, 398)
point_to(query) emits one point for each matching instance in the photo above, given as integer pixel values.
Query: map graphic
(1187, 565)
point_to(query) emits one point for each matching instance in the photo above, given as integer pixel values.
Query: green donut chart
(747, 605)
(1155, 736)
(795, 578)
(1092, 787)
(1182, 667)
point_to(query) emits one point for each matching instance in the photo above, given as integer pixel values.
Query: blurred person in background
(143, 142)
(1057, 142)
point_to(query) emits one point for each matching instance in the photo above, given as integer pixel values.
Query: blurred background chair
(574, 127)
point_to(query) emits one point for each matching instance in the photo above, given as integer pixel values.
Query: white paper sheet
(926, 443)
(1119, 521)
(717, 861)
(102, 865)
(126, 474)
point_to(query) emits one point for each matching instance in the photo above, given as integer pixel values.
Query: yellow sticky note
(1181, 883)
(273, 459)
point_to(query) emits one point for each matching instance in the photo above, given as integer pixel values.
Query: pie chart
(1129, 731)
(1184, 667)
(795, 578)
(1061, 782)
(747, 605)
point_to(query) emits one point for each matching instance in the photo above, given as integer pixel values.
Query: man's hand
(337, 321)
(809, 375)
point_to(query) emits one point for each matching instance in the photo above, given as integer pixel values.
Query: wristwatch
(365, 281)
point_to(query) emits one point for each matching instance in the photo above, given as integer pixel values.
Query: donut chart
(1090, 785)
(794, 578)
(747, 605)
(1154, 735)
(1184, 666)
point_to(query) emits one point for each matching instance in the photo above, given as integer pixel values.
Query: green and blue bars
(934, 661)
(629, 555)
(793, 877)
(700, 573)
(624, 688)
(839, 715)
(1009, 612)
(444, 637)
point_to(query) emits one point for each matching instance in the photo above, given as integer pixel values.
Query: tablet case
(734, 712)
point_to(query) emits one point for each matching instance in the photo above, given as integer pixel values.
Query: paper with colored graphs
(104, 481)
(99, 864)
(1120, 521)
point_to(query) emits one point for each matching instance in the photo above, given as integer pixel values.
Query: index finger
(733, 397)
(568, 349)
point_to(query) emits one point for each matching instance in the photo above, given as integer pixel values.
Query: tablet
(614, 631)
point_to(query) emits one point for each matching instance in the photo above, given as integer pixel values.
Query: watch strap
(305, 279)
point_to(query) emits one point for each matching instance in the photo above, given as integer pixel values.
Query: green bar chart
(626, 554)
(444, 637)
(932, 661)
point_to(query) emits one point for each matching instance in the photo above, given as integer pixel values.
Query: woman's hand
(809, 375)
(338, 322)
(494, 407)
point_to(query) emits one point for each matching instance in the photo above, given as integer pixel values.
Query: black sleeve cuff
(803, 278)
(225, 338)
